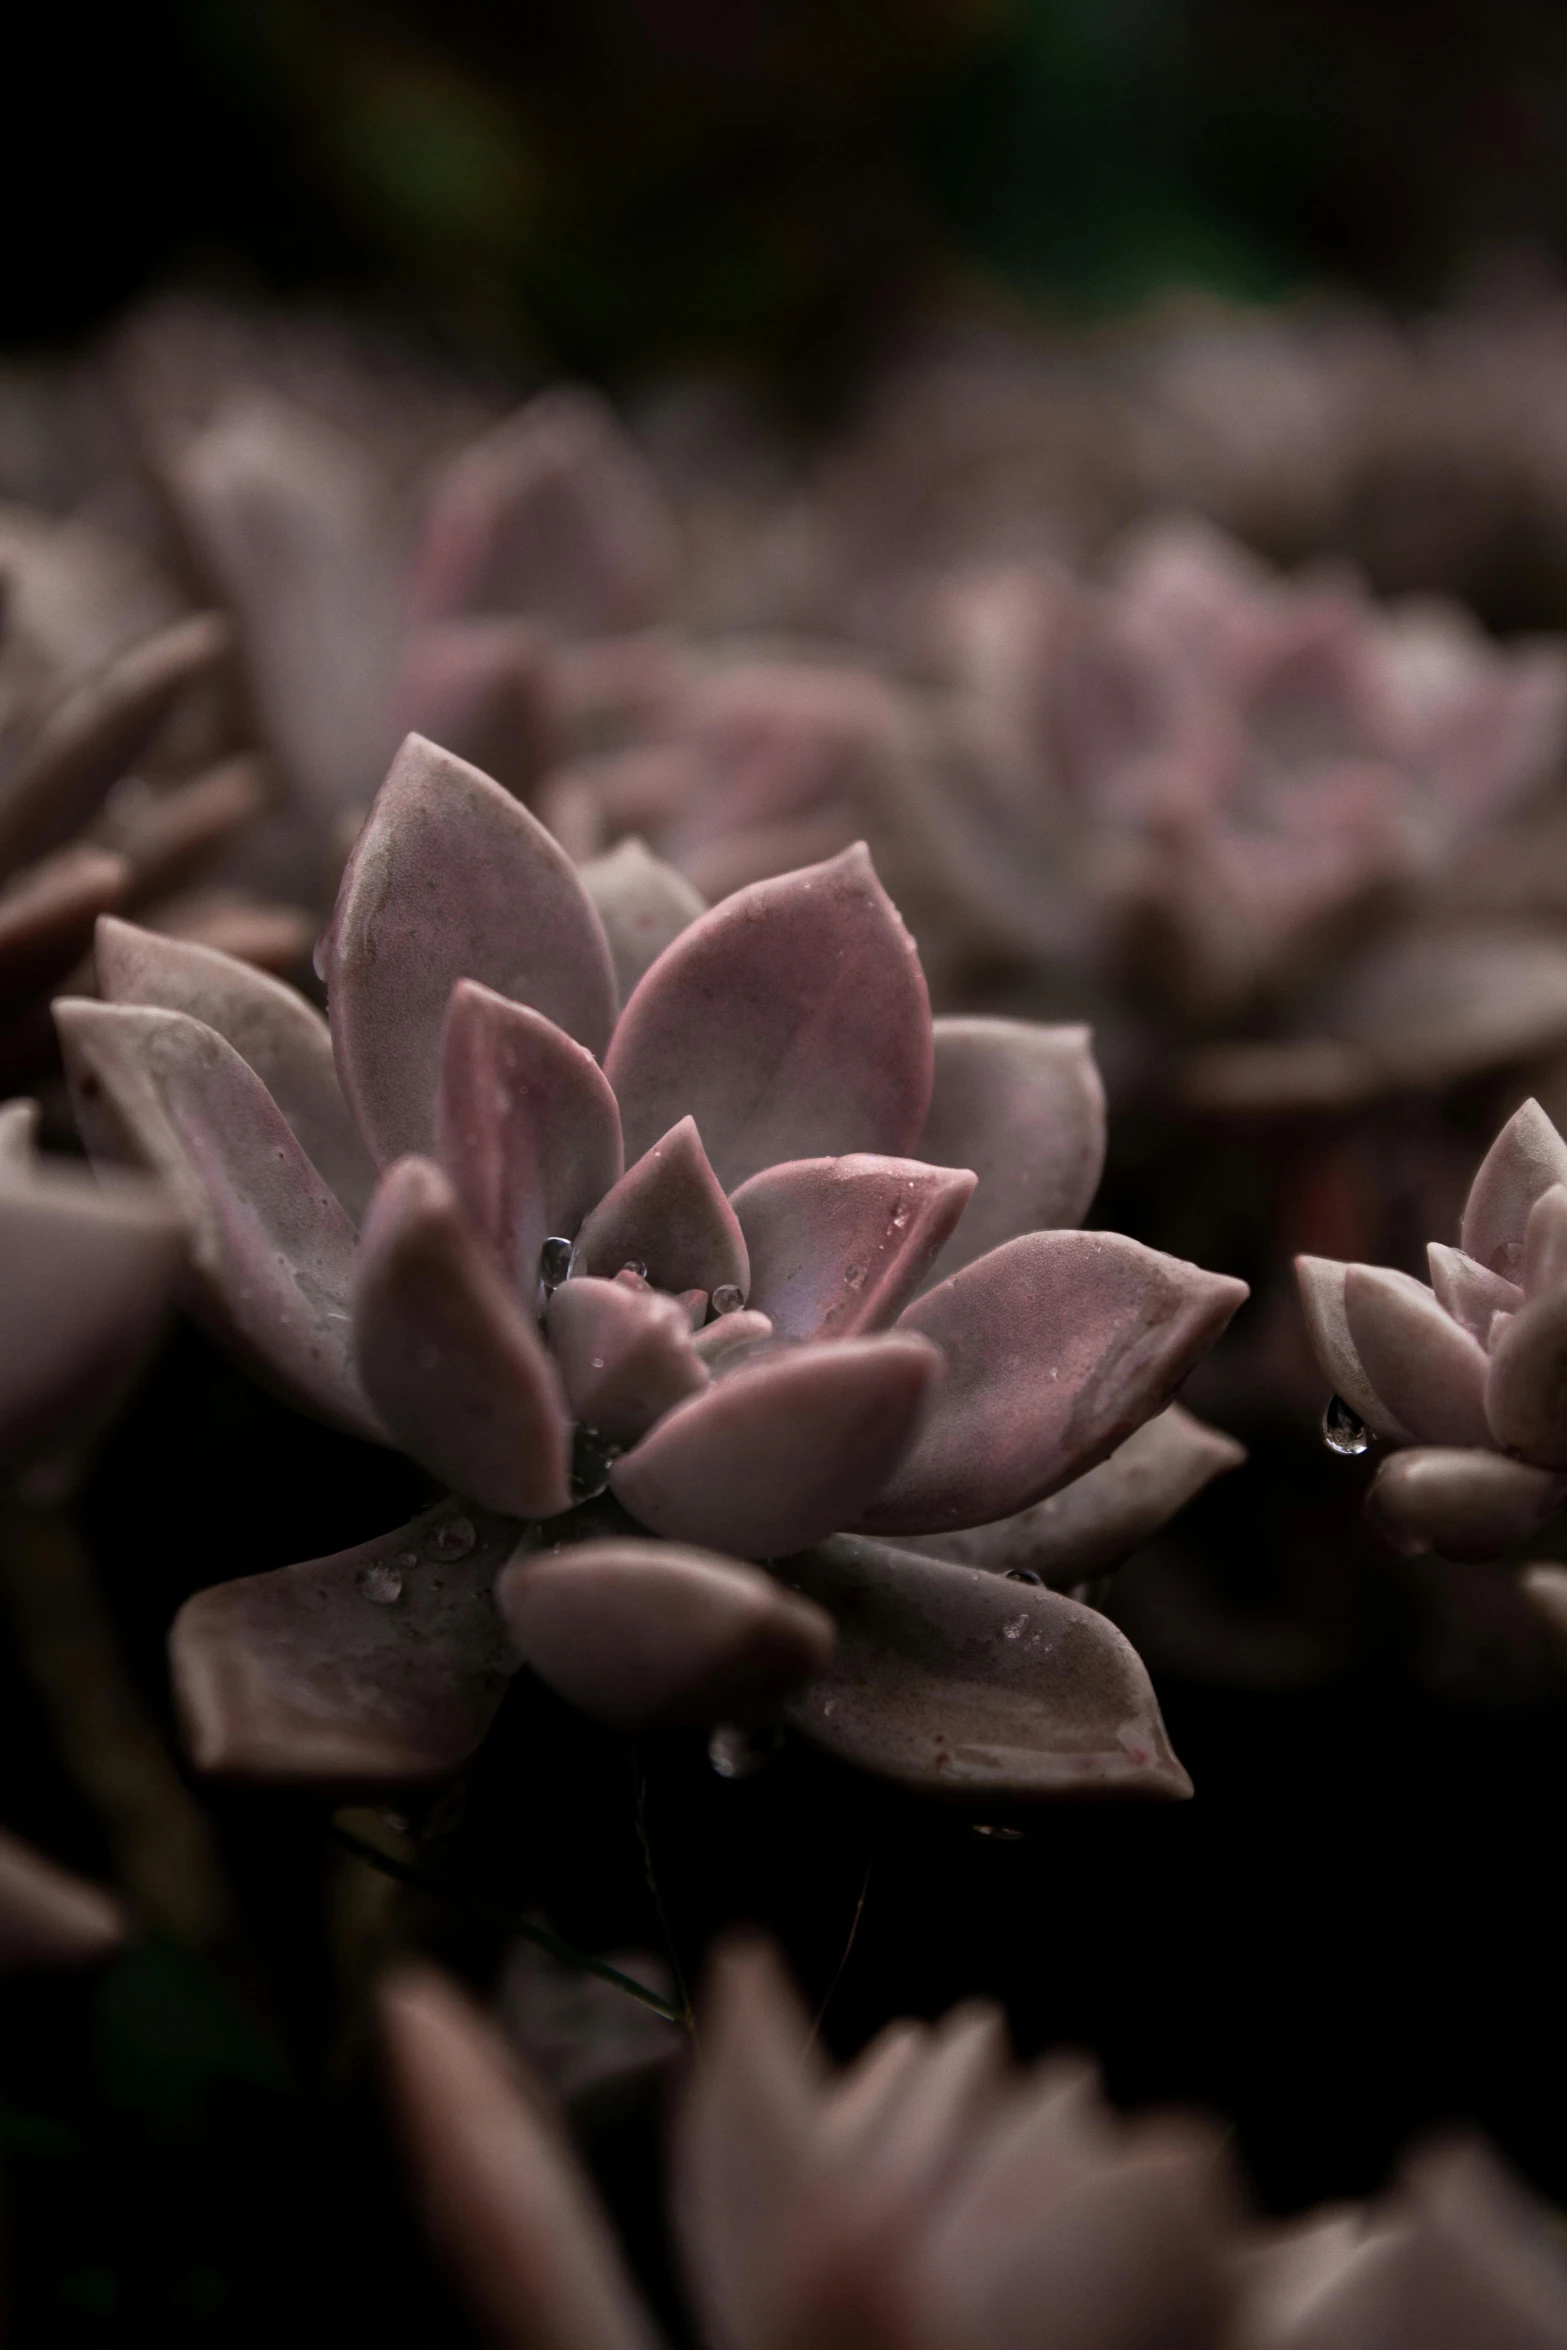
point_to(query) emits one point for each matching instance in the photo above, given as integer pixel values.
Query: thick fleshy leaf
(18, 1135)
(1467, 1291)
(271, 1250)
(955, 1681)
(643, 904)
(166, 836)
(838, 1246)
(47, 917)
(1428, 1371)
(1321, 1282)
(1092, 1524)
(726, 1332)
(448, 1357)
(48, 1917)
(553, 512)
(1545, 1588)
(274, 938)
(380, 1666)
(87, 1275)
(526, 1126)
(270, 1025)
(1024, 1107)
(647, 1635)
(483, 689)
(1465, 1503)
(1057, 1345)
(792, 1022)
(668, 1213)
(1527, 1158)
(1544, 1264)
(1526, 1384)
(499, 2186)
(450, 879)
(783, 1450)
(99, 730)
(626, 1356)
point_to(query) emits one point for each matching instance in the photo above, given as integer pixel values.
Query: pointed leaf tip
(1526, 1159)
(838, 1246)
(791, 1021)
(668, 1212)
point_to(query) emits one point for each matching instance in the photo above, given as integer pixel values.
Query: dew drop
(900, 1217)
(727, 1299)
(382, 1583)
(554, 1261)
(635, 1267)
(592, 1458)
(1344, 1431)
(1025, 1575)
(453, 1538)
(407, 1558)
(1015, 1629)
(739, 1754)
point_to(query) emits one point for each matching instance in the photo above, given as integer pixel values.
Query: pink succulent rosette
(767, 1268)
(1466, 1377)
(930, 2197)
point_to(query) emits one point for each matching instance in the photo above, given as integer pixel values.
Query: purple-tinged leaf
(1526, 1383)
(1321, 1282)
(449, 1359)
(553, 512)
(1467, 1291)
(1024, 1107)
(1544, 1264)
(526, 1126)
(450, 879)
(839, 1246)
(625, 1356)
(270, 1025)
(166, 836)
(725, 1332)
(271, 1251)
(648, 1635)
(957, 1682)
(18, 1136)
(643, 904)
(791, 1021)
(47, 916)
(1527, 1158)
(484, 690)
(380, 1666)
(87, 1274)
(782, 1451)
(1428, 1371)
(1092, 1524)
(668, 1212)
(1057, 1345)
(50, 1917)
(1463, 1502)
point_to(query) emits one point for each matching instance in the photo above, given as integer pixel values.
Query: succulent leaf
(838, 1246)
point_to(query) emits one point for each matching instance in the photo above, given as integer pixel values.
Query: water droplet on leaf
(1025, 1575)
(453, 1538)
(727, 1299)
(381, 1583)
(635, 1267)
(592, 1458)
(554, 1261)
(1344, 1431)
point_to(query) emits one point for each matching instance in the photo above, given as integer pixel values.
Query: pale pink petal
(526, 1126)
(1467, 1504)
(1527, 1157)
(625, 1356)
(1544, 1264)
(381, 1666)
(87, 1276)
(1428, 1371)
(782, 1451)
(792, 1022)
(498, 2185)
(669, 1214)
(49, 1917)
(553, 512)
(450, 879)
(1467, 1291)
(1322, 1302)
(1092, 1524)
(451, 1362)
(270, 1025)
(647, 1635)
(1024, 1107)
(270, 1248)
(484, 690)
(954, 1681)
(1057, 1345)
(838, 1246)
(643, 904)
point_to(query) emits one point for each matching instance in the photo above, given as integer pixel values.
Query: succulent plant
(1464, 1377)
(791, 1263)
(928, 2198)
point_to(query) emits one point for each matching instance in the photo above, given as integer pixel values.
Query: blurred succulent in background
(927, 2197)
(833, 1288)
